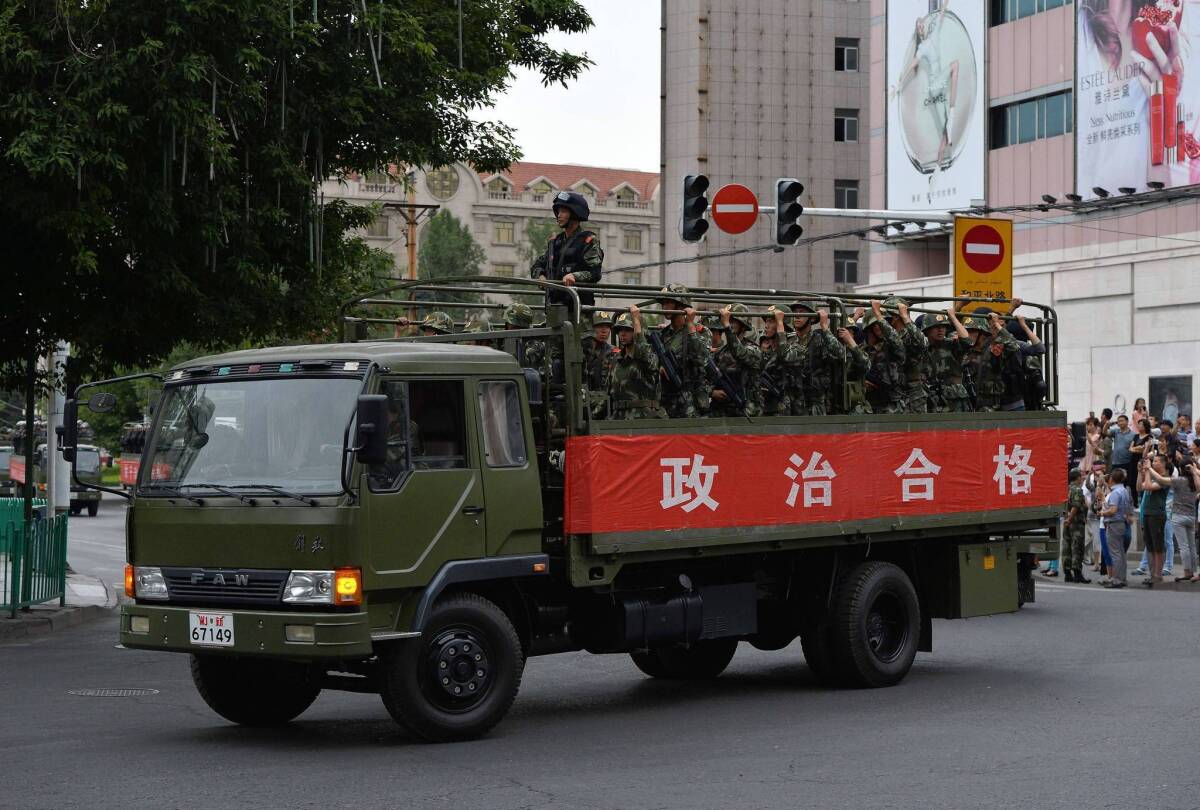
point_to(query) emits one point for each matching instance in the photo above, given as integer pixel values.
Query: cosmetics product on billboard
(1156, 124)
(1180, 135)
(1170, 103)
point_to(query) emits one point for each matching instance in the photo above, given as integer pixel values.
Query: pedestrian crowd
(1138, 474)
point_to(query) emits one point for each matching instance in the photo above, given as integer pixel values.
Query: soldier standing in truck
(635, 388)
(820, 355)
(574, 255)
(885, 350)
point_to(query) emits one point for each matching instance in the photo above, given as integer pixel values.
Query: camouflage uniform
(1075, 532)
(531, 352)
(856, 373)
(818, 363)
(741, 361)
(781, 358)
(944, 367)
(598, 356)
(634, 387)
(916, 349)
(477, 325)
(885, 379)
(691, 358)
(985, 363)
(439, 322)
(580, 253)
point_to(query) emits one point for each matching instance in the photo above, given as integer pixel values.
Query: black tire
(93, 508)
(420, 677)
(254, 693)
(701, 661)
(877, 625)
(73, 510)
(817, 645)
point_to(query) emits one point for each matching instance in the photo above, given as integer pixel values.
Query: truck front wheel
(700, 661)
(877, 625)
(254, 693)
(460, 678)
(93, 508)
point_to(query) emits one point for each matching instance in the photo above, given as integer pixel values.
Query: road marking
(981, 249)
(1069, 589)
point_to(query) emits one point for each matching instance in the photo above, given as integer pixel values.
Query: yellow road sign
(983, 258)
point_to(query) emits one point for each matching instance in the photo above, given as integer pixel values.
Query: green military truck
(417, 517)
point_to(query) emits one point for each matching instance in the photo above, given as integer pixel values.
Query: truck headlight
(309, 587)
(148, 582)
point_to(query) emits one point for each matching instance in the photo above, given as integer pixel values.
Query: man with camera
(1117, 514)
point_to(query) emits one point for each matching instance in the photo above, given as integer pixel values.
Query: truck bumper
(256, 633)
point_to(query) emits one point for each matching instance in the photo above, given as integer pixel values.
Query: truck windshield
(87, 461)
(240, 433)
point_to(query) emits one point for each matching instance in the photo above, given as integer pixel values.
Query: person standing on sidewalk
(1074, 531)
(1183, 486)
(1154, 521)
(1117, 511)
(1096, 488)
(1122, 440)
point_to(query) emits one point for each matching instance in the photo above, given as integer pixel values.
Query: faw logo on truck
(219, 578)
(715, 481)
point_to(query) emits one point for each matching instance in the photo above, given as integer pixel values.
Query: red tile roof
(566, 175)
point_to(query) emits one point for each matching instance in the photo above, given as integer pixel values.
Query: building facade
(1121, 276)
(752, 92)
(507, 211)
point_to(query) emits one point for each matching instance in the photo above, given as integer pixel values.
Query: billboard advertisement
(1136, 117)
(936, 154)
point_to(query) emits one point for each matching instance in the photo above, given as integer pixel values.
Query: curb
(69, 616)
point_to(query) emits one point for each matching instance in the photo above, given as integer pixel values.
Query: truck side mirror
(102, 402)
(372, 432)
(69, 434)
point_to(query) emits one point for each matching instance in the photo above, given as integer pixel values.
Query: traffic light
(693, 225)
(788, 211)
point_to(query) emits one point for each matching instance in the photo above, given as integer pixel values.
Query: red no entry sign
(983, 249)
(734, 208)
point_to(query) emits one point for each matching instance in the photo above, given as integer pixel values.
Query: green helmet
(518, 316)
(600, 318)
(713, 323)
(870, 320)
(677, 293)
(479, 323)
(623, 321)
(891, 305)
(439, 322)
(803, 308)
(930, 320)
(976, 322)
(737, 312)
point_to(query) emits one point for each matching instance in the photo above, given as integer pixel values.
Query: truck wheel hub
(459, 663)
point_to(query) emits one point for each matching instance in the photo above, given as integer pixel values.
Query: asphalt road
(1087, 698)
(96, 545)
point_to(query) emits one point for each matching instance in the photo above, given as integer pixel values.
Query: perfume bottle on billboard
(936, 91)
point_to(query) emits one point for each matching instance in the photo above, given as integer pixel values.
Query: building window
(378, 226)
(378, 181)
(845, 194)
(845, 125)
(1031, 120)
(540, 189)
(499, 189)
(442, 183)
(1008, 10)
(631, 240)
(845, 54)
(626, 197)
(503, 232)
(632, 279)
(506, 270)
(845, 267)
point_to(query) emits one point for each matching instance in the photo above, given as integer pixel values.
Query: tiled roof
(566, 175)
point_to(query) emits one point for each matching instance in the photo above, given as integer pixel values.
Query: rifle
(726, 385)
(766, 382)
(969, 384)
(674, 378)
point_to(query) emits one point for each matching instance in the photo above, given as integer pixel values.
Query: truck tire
(93, 508)
(73, 510)
(701, 661)
(817, 645)
(460, 678)
(254, 693)
(876, 625)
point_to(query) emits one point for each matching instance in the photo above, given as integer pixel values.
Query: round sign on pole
(983, 249)
(734, 208)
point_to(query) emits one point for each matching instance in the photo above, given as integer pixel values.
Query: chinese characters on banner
(714, 481)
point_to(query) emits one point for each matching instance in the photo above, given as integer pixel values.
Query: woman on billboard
(941, 81)
(1136, 113)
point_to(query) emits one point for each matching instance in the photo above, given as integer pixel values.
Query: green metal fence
(33, 558)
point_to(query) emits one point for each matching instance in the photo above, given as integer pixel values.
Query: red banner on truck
(705, 481)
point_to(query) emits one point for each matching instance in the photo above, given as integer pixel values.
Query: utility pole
(58, 469)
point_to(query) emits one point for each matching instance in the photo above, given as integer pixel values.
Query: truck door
(425, 504)
(509, 468)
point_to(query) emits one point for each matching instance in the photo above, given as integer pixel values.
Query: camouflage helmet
(870, 319)
(932, 319)
(891, 305)
(478, 323)
(977, 322)
(602, 318)
(623, 321)
(737, 312)
(439, 322)
(518, 316)
(803, 308)
(713, 323)
(676, 293)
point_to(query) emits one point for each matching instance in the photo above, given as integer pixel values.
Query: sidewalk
(88, 598)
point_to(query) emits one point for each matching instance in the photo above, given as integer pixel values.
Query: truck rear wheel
(700, 661)
(877, 625)
(254, 693)
(460, 678)
(817, 645)
(93, 508)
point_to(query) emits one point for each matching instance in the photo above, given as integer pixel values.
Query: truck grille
(224, 586)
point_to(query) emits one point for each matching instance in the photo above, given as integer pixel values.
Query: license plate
(210, 629)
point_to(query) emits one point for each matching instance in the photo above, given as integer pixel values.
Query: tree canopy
(160, 159)
(447, 248)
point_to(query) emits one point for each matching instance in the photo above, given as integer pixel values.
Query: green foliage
(537, 233)
(160, 159)
(447, 248)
